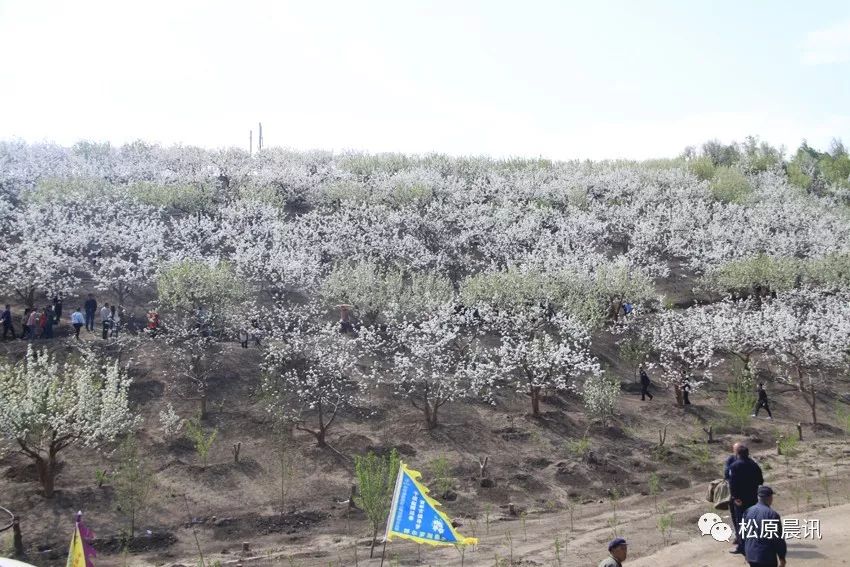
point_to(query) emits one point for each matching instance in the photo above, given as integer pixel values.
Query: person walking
(762, 402)
(57, 309)
(114, 321)
(77, 321)
(41, 323)
(256, 332)
(686, 390)
(6, 317)
(617, 552)
(644, 385)
(25, 324)
(91, 308)
(153, 323)
(49, 321)
(104, 320)
(32, 323)
(745, 477)
(764, 547)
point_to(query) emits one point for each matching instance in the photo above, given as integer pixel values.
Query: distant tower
(260, 138)
(250, 142)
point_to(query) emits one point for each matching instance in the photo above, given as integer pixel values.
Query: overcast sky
(559, 79)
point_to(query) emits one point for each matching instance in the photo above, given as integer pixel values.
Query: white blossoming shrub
(48, 405)
(600, 394)
(170, 423)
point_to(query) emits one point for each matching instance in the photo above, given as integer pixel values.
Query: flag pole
(393, 505)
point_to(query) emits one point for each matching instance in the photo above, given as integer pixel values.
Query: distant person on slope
(32, 323)
(686, 390)
(105, 315)
(745, 477)
(762, 402)
(57, 309)
(617, 551)
(77, 321)
(91, 308)
(25, 324)
(41, 323)
(760, 545)
(49, 320)
(7, 322)
(114, 321)
(644, 385)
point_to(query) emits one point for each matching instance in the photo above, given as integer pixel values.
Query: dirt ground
(569, 501)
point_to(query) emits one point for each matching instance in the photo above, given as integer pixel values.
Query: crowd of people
(39, 323)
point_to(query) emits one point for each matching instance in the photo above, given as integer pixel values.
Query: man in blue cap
(762, 527)
(617, 551)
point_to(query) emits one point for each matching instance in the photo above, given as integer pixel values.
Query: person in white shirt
(77, 321)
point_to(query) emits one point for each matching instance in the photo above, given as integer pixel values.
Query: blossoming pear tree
(49, 405)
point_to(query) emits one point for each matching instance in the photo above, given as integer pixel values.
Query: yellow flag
(76, 555)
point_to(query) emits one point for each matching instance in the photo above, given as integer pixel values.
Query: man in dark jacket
(90, 307)
(644, 385)
(762, 402)
(729, 462)
(57, 309)
(732, 458)
(7, 322)
(744, 480)
(762, 526)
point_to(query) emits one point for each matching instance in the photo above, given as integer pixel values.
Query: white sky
(557, 79)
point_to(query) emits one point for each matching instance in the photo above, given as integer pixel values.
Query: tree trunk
(320, 437)
(814, 405)
(320, 433)
(430, 415)
(46, 473)
(203, 405)
(28, 296)
(535, 400)
(120, 291)
(17, 538)
(811, 402)
(372, 546)
(680, 399)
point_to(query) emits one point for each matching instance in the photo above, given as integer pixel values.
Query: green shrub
(730, 186)
(740, 401)
(184, 198)
(579, 448)
(762, 271)
(842, 414)
(133, 483)
(201, 439)
(441, 475)
(376, 481)
(702, 167)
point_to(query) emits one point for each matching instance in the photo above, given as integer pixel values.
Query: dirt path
(531, 542)
(833, 549)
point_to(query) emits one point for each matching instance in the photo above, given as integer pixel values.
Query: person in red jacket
(42, 321)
